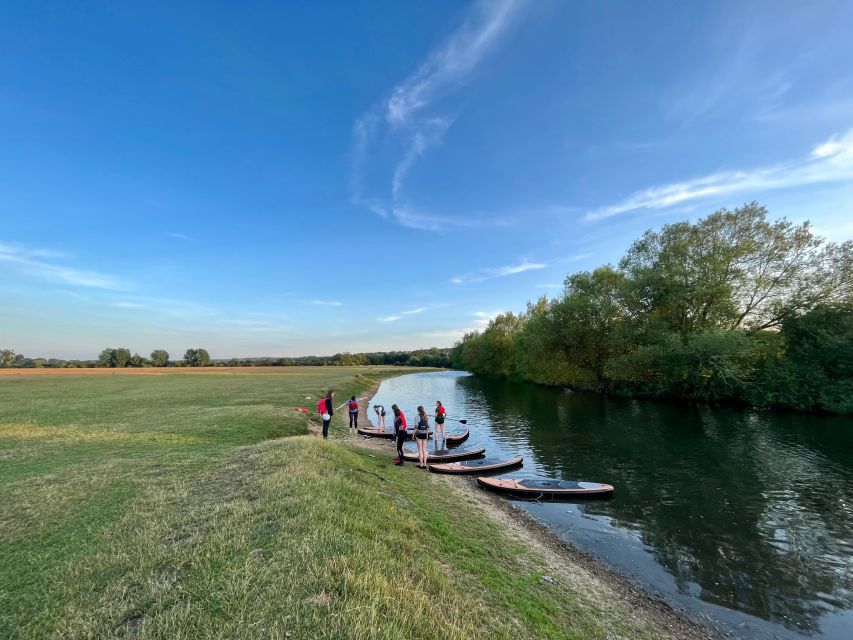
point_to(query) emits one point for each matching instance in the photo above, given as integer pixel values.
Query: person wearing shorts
(421, 435)
(440, 416)
(380, 416)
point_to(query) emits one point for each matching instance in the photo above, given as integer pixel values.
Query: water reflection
(749, 511)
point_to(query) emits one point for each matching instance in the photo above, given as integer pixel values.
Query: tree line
(121, 358)
(732, 308)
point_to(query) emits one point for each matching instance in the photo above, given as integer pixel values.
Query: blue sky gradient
(306, 178)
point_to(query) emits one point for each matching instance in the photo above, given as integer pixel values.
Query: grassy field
(171, 506)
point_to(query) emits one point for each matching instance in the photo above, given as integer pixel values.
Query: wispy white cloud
(497, 272)
(831, 161)
(549, 286)
(326, 303)
(179, 236)
(123, 304)
(408, 312)
(33, 262)
(404, 116)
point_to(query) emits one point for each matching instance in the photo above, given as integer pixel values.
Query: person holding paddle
(400, 427)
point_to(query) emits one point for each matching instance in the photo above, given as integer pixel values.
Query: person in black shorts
(380, 416)
(400, 430)
(421, 435)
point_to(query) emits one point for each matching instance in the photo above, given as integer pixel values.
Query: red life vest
(403, 420)
(321, 406)
(353, 405)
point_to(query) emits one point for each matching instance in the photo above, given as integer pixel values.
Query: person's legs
(354, 417)
(422, 451)
(326, 428)
(401, 437)
(351, 414)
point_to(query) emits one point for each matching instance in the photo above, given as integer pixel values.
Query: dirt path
(565, 561)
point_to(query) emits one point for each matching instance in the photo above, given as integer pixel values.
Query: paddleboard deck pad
(546, 487)
(445, 455)
(476, 466)
(454, 439)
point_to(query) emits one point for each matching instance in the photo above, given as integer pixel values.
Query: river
(742, 519)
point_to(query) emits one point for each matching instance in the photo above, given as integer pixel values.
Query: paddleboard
(546, 487)
(476, 466)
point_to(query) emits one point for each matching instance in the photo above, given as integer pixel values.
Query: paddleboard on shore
(546, 487)
(380, 433)
(446, 455)
(476, 466)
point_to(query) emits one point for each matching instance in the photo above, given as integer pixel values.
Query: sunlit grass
(171, 507)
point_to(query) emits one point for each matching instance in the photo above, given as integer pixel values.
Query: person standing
(352, 405)
(326, 411)
(440, 416)
(421, 435)
(400, 427)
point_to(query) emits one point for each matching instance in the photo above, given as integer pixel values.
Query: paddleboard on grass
(445, 455)
(546, 487)
(476, 466)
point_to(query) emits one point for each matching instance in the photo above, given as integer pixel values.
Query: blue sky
(306, 178)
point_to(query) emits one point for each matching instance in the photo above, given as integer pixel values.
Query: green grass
(172, 507)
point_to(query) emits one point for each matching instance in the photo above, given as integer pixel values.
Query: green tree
(160, 358)
(107, 357)
(7, 358)
(122, 357)
(196, 357)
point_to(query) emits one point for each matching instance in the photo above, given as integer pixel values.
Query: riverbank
(191, 506)
(617, 599)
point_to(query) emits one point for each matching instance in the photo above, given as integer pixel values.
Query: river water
(742, 519)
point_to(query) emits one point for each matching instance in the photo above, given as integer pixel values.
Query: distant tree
(136, 361)
(196, 357)
(39, 362)
(107, 358)
(7, 358)
(160, 358)
(122, 357)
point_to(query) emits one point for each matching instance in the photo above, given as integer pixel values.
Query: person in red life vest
(400, 430)
(352, 405)
(326, 411)
(440, 416)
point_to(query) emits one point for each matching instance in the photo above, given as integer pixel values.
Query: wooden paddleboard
(379, 433)
(454, 439)
(476, 466)
(546, 487)
(445, 455)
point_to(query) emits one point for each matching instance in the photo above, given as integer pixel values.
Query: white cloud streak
(497, 272)
(403, 116)
(32, 262)
(326, 303)
(831, 161)
(402, 314)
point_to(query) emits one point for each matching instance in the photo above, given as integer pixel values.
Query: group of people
(421, 434)
(326, 409)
